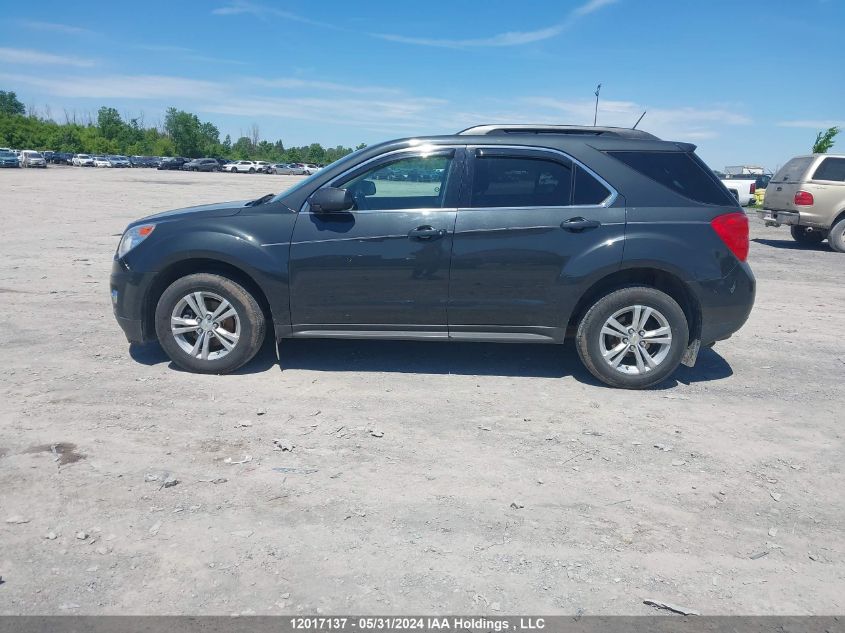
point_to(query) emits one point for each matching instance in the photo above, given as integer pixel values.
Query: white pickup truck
(743, 188)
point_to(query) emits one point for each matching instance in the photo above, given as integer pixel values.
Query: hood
(218, 210)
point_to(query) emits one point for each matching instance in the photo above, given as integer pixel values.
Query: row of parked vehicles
(32, 158)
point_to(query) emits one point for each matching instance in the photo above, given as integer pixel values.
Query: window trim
(555, 155)
(387, 157)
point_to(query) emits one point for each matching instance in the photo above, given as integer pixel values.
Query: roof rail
(574, 130)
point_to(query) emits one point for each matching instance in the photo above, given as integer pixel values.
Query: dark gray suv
(507, 233)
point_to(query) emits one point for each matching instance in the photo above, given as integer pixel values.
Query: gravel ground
(424, 477)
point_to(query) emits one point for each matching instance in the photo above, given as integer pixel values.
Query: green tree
(109, 123)
(10, 104)
(825, 140)
(242, 149)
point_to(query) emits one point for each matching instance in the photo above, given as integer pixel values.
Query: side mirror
(330, 199)
(366, 188)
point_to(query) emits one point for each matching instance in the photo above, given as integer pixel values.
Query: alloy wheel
(205, 325)
(635, 339)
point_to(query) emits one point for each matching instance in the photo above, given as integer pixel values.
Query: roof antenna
(638, 120)
(596, 114)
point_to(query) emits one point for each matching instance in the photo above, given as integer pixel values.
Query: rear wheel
(252, 170)
(633, 338)
(836, 237)
(806, 235)
(209, 324)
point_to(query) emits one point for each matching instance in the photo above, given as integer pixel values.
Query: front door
(381, 268)
(532, 224)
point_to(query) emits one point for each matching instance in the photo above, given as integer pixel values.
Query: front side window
(507, 181)
(832, 169)
(414, 182)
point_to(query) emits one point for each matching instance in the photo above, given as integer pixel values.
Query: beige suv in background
(808, 194)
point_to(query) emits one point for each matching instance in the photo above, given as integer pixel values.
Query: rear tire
(805, 235)
(209, 324)
(252, 170)
(836, 236)
(612, 348)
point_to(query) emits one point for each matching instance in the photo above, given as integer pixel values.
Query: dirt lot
(426, 477)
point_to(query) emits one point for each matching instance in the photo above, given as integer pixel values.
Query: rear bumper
(776, 218)
(725, 303)
(129, 291)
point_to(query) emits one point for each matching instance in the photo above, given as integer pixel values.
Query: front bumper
(776, 218)
(129, 291)
(725, 303)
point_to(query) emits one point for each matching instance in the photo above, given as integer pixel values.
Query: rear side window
(587, 189)
(681, 172)
(831, 169)
(507, 181)
(794, 170)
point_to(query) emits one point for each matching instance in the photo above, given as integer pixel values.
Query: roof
(569, 130)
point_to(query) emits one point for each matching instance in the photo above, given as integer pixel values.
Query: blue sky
(749, 82)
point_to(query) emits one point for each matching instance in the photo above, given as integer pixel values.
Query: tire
(252, 170)
(665, 352)
(836, 236)
(803, 235)
(247, 323)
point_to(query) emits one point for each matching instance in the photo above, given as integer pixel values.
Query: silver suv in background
(808, 195)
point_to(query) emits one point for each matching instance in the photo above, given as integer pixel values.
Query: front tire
(633, 338)
(209, 324)
(836, 236)
(806, 236)
(251, 170)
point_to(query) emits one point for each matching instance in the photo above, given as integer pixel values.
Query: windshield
(7, 154)
(319, 174)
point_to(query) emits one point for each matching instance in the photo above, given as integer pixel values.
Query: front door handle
(426, 232)
(579, 224)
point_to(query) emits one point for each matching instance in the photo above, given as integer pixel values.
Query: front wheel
(806, 235)
(209, 324)
(251, 170)
(836, 236)
(633, 338)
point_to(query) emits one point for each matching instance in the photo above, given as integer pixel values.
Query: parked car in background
(202, 164)
(83, 160)
(172, 162)
(8, 159)
(742, 188)
(288, 169)
(102, 161)
(119, 161)
(808, 195)
(523, 238)
(31, 158)
(241, 166)
(311, 168)
(61, 158)
(262, 166)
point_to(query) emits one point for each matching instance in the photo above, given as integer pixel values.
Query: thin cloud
(244, 7)
(510, 38)
(119, 86)
(55, 27)
(293, 83)
(814, 124)
(39, 58)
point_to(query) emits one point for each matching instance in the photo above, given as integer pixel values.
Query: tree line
(181, 134)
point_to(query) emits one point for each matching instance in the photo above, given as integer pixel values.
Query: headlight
(133, 237)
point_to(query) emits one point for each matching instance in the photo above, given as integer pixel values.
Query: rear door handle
(426, 232)
(579, 224)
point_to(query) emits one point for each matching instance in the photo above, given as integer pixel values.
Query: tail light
(803, 198)
(753, 188)
(733, 229)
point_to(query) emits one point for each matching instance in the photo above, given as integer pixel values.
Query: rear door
(532, 223)
(780, 194)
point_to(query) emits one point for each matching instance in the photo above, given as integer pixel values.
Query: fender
(232, 243)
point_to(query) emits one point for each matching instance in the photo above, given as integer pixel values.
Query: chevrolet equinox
(506, 233)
